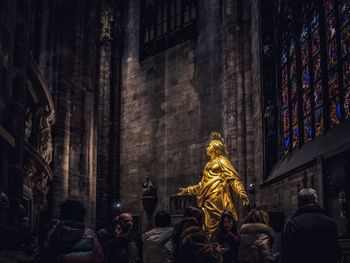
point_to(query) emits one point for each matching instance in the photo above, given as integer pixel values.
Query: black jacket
(310, 236)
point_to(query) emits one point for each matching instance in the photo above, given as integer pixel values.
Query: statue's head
(216, 145)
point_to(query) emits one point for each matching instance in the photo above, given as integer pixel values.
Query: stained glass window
(314, 70)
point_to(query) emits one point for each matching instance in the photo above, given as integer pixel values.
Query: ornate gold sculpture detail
(219, 181)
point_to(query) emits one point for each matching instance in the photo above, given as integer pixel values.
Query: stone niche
(38, 144)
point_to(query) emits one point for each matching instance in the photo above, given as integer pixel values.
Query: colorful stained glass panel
(285, 120)
(347, 103)
(286, 142)
(315, 42)
(319, 122)
(318, 98)
(334, 111)
(304, 55)
(284, 76)
(284, 56)
(330, 26)
(317, 67)
(328, 4)
(307, 103)
(344, 10)
(314, 21)
(303, 35)
(345, 40)
(308, 129)
(296, 136)
(346, 73)
(285, 97)
(332, 54)
(333, 84)
(306, 78)
(294, 111)
(293, 66)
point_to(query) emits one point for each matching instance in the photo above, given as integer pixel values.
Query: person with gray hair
(310, 235)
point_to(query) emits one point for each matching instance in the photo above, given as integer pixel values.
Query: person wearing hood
(71, 241)
(310, 235)
(157, 244)
(256, 238)
(191, 243)
(227, 238)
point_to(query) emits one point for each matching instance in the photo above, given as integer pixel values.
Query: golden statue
(219, 181)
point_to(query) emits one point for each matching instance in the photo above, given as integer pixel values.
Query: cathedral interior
(112, 103)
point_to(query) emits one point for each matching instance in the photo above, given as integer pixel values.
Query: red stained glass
(285, 97)
(333, 84)
(304, 55)
(334, 111)
(319, 122)
(345, 40)
(307, 102)
(346, 73)
(293, 66)
(317, 67)
(293, 89)
(284, 77)
(296, 136)
(315, 42)
(332, 54)
(318, 98)
(347, 103)
(330, 26)
(308, 129)
(294, 111)
(328, 4)
(285, 120)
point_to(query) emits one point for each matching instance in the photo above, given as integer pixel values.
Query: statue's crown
(216, 136)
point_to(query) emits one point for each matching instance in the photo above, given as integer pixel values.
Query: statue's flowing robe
(215, 192)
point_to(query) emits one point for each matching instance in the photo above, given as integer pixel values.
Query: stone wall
(173, 100)
(68, 55)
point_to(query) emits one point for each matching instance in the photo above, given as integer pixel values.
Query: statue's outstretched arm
(232, 178)
(191, 190)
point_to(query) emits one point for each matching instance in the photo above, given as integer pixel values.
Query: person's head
(127, 220)
(227, 222)
(307, 196)
(72, 210)
(195, 212)
(118, 228)
(163, 219)
(257, 215)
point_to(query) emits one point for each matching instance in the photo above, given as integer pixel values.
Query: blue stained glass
(286, 143)
(303, 34)
(284, 57)
(314, 21)
(344, 8)
(309, 132)
(338, 111)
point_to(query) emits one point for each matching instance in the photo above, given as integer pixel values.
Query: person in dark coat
(127, 220)
(71, 241)
(122, 247)
(227, 238)
(256, 238)
(191, 243)
(310, 235)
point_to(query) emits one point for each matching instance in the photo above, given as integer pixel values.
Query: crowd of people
(309, 236)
